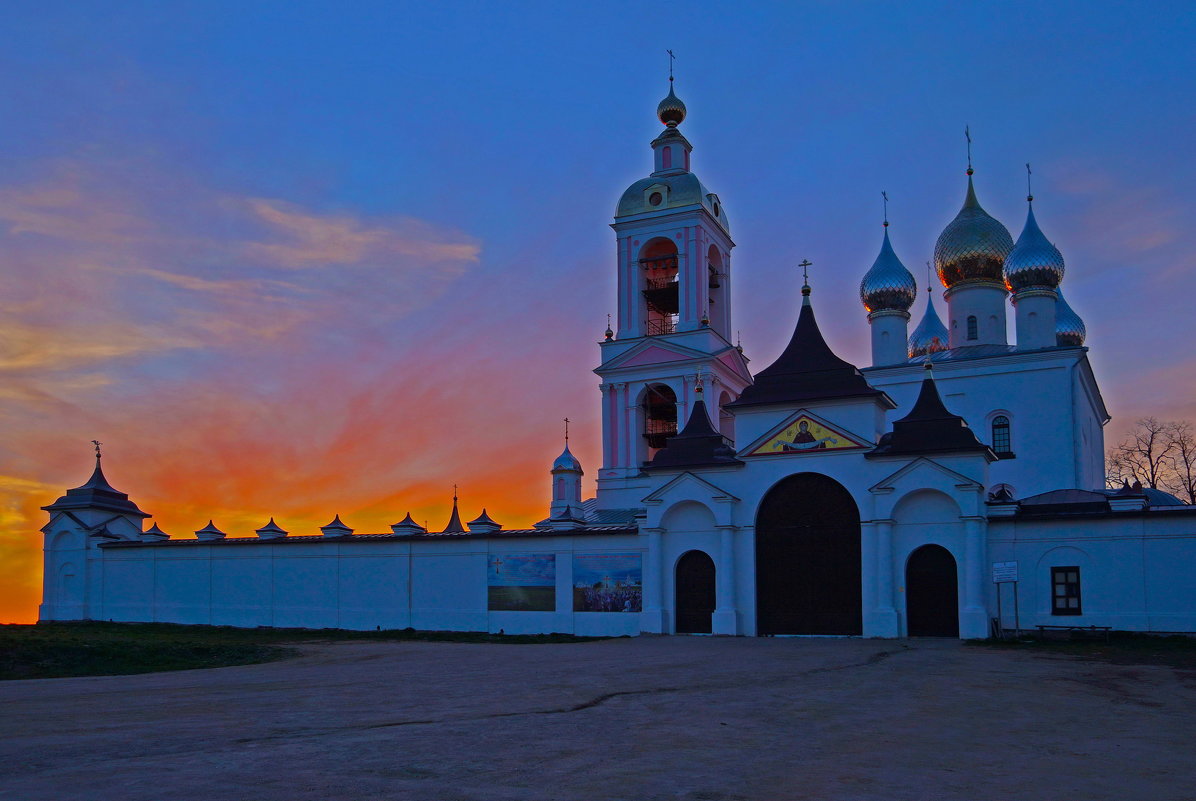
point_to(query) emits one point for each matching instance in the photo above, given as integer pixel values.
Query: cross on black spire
(805, 265)
(968, 134)
(97, 443)
(1029, 191)
(885, 195)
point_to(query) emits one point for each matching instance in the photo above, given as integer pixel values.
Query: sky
(298, 259)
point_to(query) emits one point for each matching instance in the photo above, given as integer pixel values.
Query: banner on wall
(608, 582)
(521, 582)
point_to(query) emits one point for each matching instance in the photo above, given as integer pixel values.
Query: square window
(1065, 587)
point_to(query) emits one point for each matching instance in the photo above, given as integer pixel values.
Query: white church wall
(183, 585)
(1040, 393)
(925, 517)
(384, 584)
(689, 526)
(1134, 570)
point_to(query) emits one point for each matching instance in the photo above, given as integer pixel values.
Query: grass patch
(58, 650)
(1123, 648)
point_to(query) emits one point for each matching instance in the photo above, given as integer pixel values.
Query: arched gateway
(808, 558)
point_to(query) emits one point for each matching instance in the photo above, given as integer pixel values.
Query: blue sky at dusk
(299, 259)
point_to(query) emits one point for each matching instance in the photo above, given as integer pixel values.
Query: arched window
(667, 158)
(973, 332)
(1001, 439)
(658, 261)
(660, 416)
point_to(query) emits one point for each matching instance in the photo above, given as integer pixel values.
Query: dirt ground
(648, 718)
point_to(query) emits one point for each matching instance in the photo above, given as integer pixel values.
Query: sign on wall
(1004, 572)
(521, 582)
(608, 582)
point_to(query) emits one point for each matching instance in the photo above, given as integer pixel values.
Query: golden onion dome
(671, 110)
(888, 286)
(1069, 328)
(973, 246)
(930, 335)
(1034, 263)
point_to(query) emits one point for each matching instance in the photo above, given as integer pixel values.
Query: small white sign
(1004, 571)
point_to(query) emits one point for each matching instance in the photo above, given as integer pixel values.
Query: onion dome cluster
(671, 110)
(1034, 263)
(973, 246)
(1069, 328)
(930, 335)
(888, 286)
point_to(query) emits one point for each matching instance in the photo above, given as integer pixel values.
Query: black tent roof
(930, 428)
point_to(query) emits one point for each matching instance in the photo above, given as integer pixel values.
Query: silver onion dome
(888, 286)
(973, 246)
(930, 335)
(671, 110)
(1069, 328)
(566, 461)
(1034, 263)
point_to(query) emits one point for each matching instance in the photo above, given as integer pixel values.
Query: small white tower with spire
(1034, 270)
(887, 291)
(566, 507)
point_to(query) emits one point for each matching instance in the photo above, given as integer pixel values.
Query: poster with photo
(608, 582)
(521, 582)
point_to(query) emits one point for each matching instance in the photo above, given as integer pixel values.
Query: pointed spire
(699, 443)
(96, 493)
(154, 534)
(483, 523)
(271, 531)
(336, 528)
(806, 370)
(408, 526)
(210, 532)
(930, 428)
(454, 524)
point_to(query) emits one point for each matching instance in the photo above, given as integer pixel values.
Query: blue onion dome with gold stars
(671, 110)
(888, 286)
(973, 246)
(930, 335)
(1069, 328)
(1034, 263)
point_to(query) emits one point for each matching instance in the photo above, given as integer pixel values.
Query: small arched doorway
(931, 593)
(695, 593)
(808, 558)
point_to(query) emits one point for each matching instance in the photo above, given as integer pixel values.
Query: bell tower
(672, 329)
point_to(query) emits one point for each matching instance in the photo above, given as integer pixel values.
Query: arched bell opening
(726, 420)
(931, 593)
(808, 558)
(659, 407)
(716, 282)
(695, 593)
(658, 265)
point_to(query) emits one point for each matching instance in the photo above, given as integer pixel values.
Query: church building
(953, 486)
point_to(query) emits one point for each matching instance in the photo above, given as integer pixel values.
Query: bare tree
(1183, 461)
(1145, 456)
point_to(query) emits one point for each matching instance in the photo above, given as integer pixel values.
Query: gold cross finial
(97, 443)
(1029, 192)
(566, 431)
(672, 58)
(885, 195)
(968, 135)
(805, 265)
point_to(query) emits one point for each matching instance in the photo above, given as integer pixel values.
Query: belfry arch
(808, 558)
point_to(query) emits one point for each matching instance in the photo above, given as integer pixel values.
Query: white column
(608, 433)
(885, 622)
(652, 619)
(973, 618)
(726, 618)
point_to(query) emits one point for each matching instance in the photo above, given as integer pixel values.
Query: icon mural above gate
(805, 434)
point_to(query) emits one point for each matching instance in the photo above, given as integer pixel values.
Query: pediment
(804, 434)
(929, 468)
(687, 484)
(652, 352)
